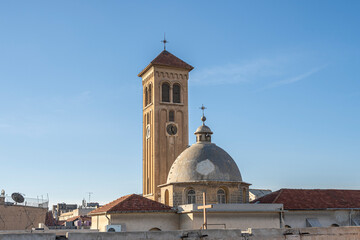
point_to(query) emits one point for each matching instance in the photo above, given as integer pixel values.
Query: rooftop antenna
(165, 42)
(90, 195)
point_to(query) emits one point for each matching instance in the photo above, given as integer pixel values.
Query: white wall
(231, 220)
(297, 219)
(140, 221)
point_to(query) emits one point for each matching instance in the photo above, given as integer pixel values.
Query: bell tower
(165, 118)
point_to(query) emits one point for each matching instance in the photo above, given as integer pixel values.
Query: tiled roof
(306, 199)
(83, 218)
(167, 59)
(132, 203)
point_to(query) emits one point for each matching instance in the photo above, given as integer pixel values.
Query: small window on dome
(221, 196)
(191, 197)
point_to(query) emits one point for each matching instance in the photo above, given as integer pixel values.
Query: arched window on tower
(176, 93)
(150, 97)
(191, 197)
(165, 92)
(171, 116)
(146, 97)
(221, 196)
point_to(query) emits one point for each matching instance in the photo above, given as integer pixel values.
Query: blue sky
(280, 80)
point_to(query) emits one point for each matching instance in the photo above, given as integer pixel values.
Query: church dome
(204, 161)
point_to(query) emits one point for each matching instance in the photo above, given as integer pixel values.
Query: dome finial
(203, 118)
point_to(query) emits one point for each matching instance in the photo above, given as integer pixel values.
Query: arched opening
(167, 197)
(146, 97)
(221, 196)
(165, 92)
(155, 229)
(191, 197)
(150, 98)
(171, 116)
(335, 225)
(287, 226)
(176, 93)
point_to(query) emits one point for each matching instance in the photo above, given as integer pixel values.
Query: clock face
(171, 129)
(147, 131)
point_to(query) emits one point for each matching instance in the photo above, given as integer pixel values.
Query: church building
(178, 178)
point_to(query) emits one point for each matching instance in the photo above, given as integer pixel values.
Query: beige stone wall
(178, 192)
(74, 213)
(230, 220)
(160, 149)
(139, 221)
(99, 222)
(21, 217)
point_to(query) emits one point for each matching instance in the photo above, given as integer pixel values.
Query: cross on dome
(203, 118)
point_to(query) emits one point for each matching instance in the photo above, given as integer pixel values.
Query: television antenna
(90, 193)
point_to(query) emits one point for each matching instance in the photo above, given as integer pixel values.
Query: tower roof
(167, 59)
(132, 203)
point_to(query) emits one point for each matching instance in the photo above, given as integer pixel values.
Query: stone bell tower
(165, 118)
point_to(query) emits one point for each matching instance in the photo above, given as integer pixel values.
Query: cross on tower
(165, 42)
(204, 207)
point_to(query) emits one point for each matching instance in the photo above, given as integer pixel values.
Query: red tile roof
(311, 199)
(132, 203)
(82, 218)
(169, 60)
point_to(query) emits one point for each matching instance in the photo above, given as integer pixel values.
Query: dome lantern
(203, 133)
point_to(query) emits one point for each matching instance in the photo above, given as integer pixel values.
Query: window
(167, 197)
(171, 116)
(146, 97)
(191, 197)
(149, 99)
(221, 196)
(155, 229)
(176, 93)
(165, 92)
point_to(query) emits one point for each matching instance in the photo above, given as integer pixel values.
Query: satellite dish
(17, 197)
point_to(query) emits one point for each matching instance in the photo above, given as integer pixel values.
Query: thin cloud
(237, 73)
(295, 79)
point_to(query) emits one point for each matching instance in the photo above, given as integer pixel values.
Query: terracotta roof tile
(167, 59)
(301, 199)
(83, 218)
(132, 203)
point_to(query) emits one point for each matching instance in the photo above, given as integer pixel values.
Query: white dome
(204, 161)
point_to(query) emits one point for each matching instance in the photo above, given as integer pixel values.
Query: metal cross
(203, 109)
(204, 207)
(165, 42)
